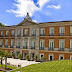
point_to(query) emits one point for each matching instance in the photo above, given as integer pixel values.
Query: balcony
(70, 34)
(41, 34)
(24, 47)
(41, 48)
(11, 46)
(61, 34)
(32, 47)
(1, 35)
(51, 34)
(70, 50)
(18, 35)
(33, 34)
(25, 35)
(7, 35)
(0, 45)
(6, 46)
(17, 46)
(61, 49)
(51, 48)
(12, 35)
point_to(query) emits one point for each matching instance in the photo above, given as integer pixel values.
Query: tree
(1, 24)
(1, 55)
(13, 55)
(6, 55)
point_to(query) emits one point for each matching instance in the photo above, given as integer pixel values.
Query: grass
(52, 66)
(8, 66)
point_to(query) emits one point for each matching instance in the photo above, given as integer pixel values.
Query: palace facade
(51, 39)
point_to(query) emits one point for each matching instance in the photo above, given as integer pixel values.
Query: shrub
(35, 57)
(27, 57)
(43, 58)
(19, 55)
(13, 54)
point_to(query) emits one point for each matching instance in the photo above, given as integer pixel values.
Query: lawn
(8, 66)
(52, 66)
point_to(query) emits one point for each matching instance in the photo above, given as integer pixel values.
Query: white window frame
(61, 29)
(11, 42)
(51, 40)
(6, 42)
(7, 32)
(34, 31)
(70, 57)
(1, 41)
(50, 30)
(19, 32)
(33, 43)
(42, 43)
(18, 43)
(13, 31)
(61, 55)
(42, 30)
(61, 40)
(26, 32)
(71, 43)
(41, 54)
(52, 56)
(1, 32)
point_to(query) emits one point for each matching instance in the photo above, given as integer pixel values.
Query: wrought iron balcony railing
(41, 48)
(11, 46)
(1, 35)
(0, 45)
(32, 47)
(24, 47)
(25, 34)
(41, 34)
(61, 49)
(33, 34)
(17, 46)
(61, 34)
(51, 48)
(51, 34)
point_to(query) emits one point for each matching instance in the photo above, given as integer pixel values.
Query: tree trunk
(5, 62)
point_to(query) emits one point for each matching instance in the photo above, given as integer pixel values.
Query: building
(51, 39)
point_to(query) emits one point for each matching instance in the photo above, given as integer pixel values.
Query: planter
(12, 57)
(27, 59)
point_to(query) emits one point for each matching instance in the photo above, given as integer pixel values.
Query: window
(70, 43)
(61, 31)
(12, 42)
(51, 44)
(33, 32)
(41, 55)
(6, 42)
(7, 32)
(51, 31)
(33, 44)
(61, 57)
(13, 31)
(25, 44)
(19, 32)
(61, 44)
(18, 44)
(41, 44)
(42, 32)
(26, 32)
(1, 33)
(71, 31)
(1, 42)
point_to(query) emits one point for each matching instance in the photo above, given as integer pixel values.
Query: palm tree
(6, 54)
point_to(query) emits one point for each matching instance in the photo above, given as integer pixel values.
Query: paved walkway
(17, 62)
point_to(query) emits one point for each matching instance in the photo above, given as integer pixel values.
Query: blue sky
(13, 12)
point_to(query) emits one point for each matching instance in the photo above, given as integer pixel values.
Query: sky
(12, 12)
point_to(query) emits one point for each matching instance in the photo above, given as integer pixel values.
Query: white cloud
(34, 20)
(24, 6)
(54, 6)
